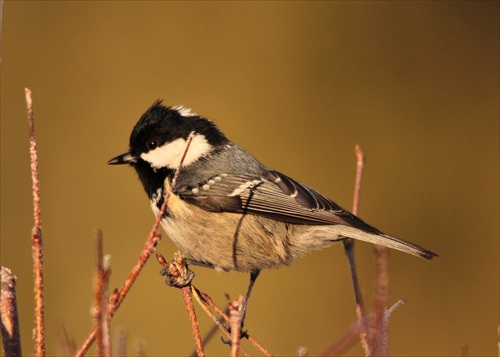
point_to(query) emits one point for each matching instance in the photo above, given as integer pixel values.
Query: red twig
(103, 317)
(348, 339)
(215, 327)
(188, 299)
(360, 165)
(498, 340)
(344, 342)
(235, 317)
(180, 276)
(206, 302)
(8, 314)
(376, 343)
(349, 249)
(36, 235)
(119, 295)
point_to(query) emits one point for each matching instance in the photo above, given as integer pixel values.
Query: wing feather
(272, 195)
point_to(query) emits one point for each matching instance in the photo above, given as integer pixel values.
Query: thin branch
(178, 275)
(36, 235)
(382, 349)
(360, 165)
(102, 315)
(8, 314)
(349, 249)
(498, 340)
(205, 301)
(215, 327)
(188, 299)
(376, 342)
(348, 339)
(235, 317)
(119, 295)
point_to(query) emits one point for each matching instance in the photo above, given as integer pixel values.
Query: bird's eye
(152, 144)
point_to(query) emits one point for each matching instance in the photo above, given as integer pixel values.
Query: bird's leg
(197, 263)
(253, 277)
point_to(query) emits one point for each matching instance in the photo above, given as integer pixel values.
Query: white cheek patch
(170, 154)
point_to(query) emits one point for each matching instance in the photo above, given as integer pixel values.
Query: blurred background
(297, 84)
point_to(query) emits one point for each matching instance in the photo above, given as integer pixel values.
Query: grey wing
(272, 195)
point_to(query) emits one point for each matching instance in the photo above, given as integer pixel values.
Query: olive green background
(297, 84)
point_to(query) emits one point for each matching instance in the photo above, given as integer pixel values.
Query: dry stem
(36, 235)
(188, 299)
(348, 339)
(207, 303)
(375, 337)
(178, 275)
(349, 249)
(235, 317)
(102, 314)
(119, 295)
(8, 313)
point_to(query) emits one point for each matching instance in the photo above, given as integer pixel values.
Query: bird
(228, 211)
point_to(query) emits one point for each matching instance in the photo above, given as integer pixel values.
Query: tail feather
(386, 241)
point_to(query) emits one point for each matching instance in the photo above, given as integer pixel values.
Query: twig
(188, 299)
(235, 317)
(498, 340)
(376, 343)
(36, 235)
(102, 315)
(382, 349)
(178, 275)
(348, 339)
(8, 313)
(349, 249)
(360, 165)
(215, 327)
(119, 295)
(205, 301)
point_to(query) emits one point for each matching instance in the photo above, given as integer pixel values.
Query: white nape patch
(170, 154)
(185, 112)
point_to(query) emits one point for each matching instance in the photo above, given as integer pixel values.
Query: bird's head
(159, 138)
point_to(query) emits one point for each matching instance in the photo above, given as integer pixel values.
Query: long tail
(386, 241)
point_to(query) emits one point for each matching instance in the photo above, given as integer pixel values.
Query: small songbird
(227, 210)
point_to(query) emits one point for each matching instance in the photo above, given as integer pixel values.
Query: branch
(119, 295)
(375, 335)
(349, 250)
(8, 313)
(178, 275)
(207, 303)
(235, 317)
(347, 339)
(36, 235)
(102, 315)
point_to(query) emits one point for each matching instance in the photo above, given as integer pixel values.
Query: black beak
(126, 158)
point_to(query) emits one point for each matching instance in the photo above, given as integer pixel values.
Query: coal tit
(229, 211)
